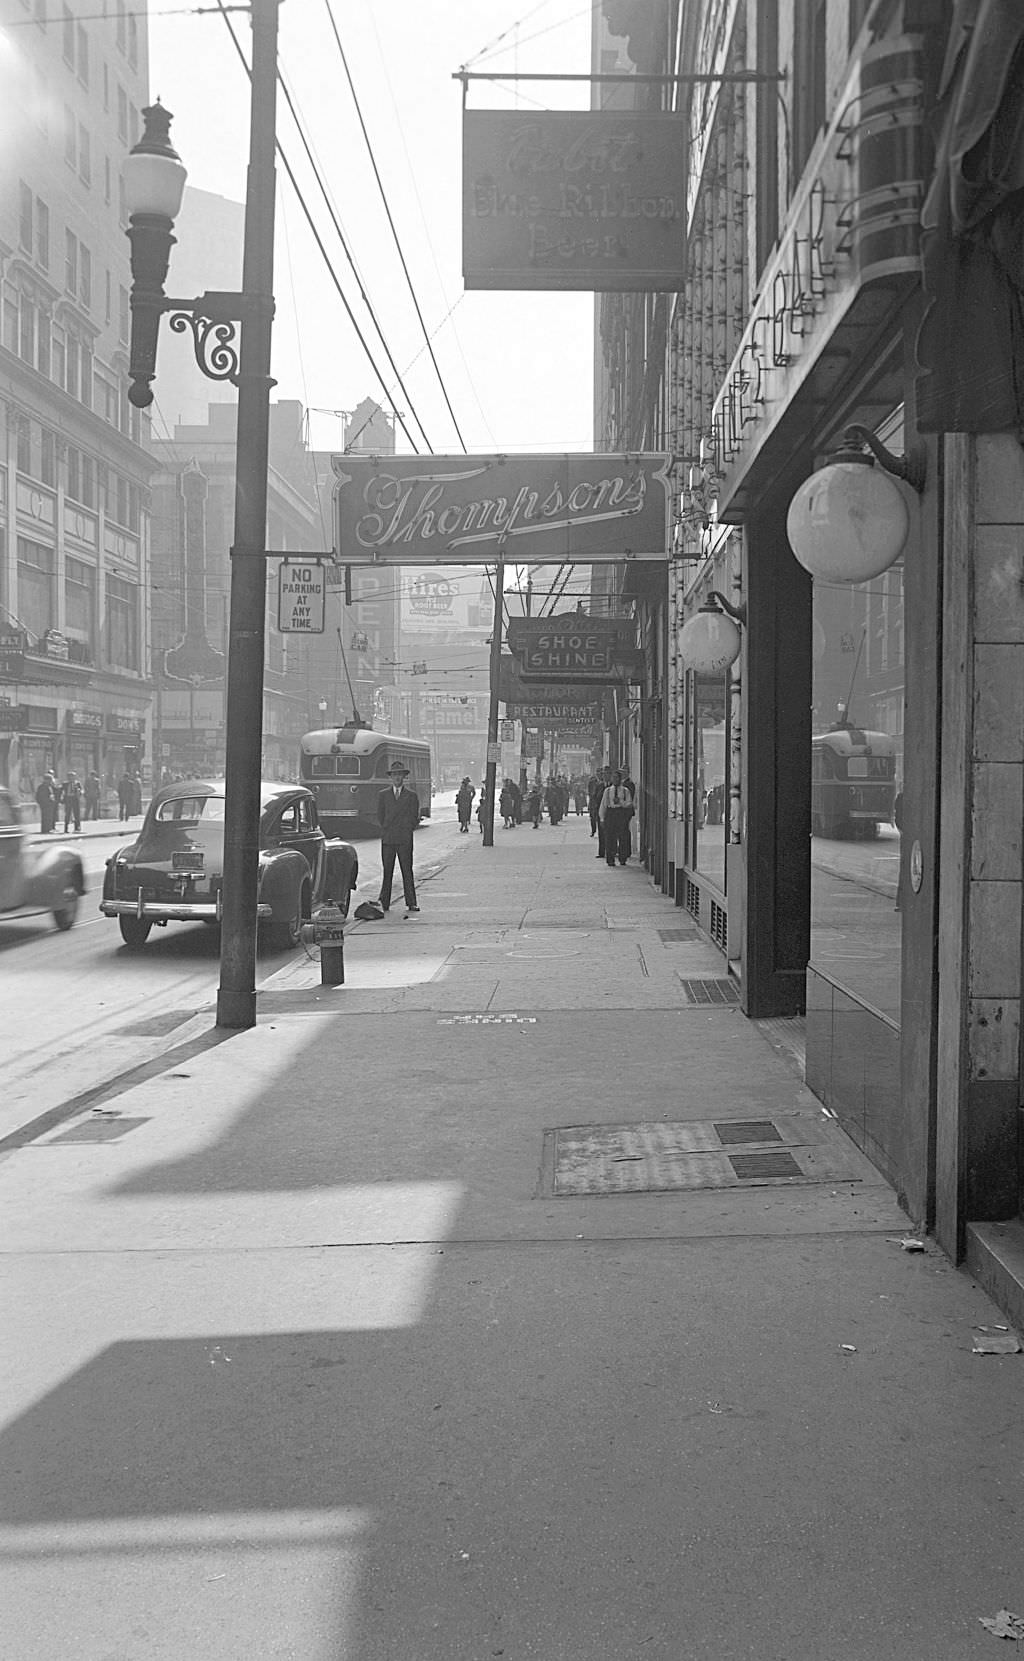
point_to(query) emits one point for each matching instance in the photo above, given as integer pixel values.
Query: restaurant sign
(464, 510)
(577, 200)
(556, 712)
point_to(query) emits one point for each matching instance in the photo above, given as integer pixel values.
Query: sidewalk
(513, 1299)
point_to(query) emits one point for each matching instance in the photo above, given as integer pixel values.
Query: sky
(517, 367)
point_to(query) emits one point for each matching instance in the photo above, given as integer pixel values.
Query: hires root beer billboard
(463, 510)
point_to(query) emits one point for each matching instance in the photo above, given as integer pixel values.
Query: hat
(399, 767)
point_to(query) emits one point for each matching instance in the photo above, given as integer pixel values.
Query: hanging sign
(591, 200)
(575, 649)
(464, 510)
(300, 598)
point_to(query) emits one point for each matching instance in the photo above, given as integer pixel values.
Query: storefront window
(710, 762)
(856, 782)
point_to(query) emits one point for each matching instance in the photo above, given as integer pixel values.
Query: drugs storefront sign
(591, 200)
(461, 510)
(300, 598)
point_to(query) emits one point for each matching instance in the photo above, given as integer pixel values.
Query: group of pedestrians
(72, 796)
(80, 799)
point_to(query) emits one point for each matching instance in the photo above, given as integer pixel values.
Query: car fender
(50, 874)
(110, 870)
(281, 876)
(339, 870)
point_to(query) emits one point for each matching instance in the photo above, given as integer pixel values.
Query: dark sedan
(173, 871)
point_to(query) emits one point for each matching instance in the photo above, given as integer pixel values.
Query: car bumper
(172, 911)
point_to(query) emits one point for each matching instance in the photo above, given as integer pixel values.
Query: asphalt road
(83, 997)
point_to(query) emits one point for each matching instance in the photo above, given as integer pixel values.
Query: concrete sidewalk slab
(330, 1369)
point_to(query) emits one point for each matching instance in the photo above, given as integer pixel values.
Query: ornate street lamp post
(154, 179)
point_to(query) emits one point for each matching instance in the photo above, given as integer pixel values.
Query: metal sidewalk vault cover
(664, 1156)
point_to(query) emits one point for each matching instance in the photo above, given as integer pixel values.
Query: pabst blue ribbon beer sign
(461, 510)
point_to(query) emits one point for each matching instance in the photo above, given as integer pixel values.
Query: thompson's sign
(592, 200)
(461, 510)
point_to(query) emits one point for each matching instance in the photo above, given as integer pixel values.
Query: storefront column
(776, 863)
(982, 813)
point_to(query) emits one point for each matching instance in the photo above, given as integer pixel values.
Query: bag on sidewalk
(369, 911)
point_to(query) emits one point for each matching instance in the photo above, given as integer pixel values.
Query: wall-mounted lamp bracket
(911, 468)
(737, 613)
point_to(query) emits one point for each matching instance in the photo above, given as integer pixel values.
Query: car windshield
(191, 809)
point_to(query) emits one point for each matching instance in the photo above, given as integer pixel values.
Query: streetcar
(853, 782)
(346, 768)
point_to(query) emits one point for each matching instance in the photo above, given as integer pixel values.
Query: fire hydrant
(329, 935)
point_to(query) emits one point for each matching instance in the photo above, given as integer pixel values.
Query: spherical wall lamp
(710, 640)
(849, 522)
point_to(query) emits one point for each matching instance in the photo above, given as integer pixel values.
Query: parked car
(34, 881)
(174, 870)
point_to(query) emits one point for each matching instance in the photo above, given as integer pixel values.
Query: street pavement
(430, 1320)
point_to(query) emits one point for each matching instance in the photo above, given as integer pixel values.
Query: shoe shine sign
(464, 510)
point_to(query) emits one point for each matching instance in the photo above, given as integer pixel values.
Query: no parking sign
(300, 598)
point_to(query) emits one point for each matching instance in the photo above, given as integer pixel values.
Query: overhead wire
(317, 174)
(391, 222)
(320, 244)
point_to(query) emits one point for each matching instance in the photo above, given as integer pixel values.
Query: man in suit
(398, 813)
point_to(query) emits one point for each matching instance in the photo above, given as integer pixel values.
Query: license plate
(185, 862)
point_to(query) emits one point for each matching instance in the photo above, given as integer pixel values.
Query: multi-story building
(193, 526)
(841, 272)
(74, 512)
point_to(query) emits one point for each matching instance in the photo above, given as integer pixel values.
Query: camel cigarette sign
(591, 200)
(300, 598)
(464, 510)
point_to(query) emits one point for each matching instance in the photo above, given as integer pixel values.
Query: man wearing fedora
(398, 813)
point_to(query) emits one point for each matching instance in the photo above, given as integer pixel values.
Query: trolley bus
(853, 782)
(346, 768)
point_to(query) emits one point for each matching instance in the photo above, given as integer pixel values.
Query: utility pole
(492, 714)
(236, 995)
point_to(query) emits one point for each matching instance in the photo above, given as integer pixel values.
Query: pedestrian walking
(464, 803)
(534, 804)
(627, 784)
(517, 802)
(134, 794)
(71, 796)
(615, 811)
(506, 802)
(398, 814)
(596, 787)
(481, 807)
(92, 795)
(46, 797)
(124, 794)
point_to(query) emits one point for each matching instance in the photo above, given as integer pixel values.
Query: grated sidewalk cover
(661, 1157)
